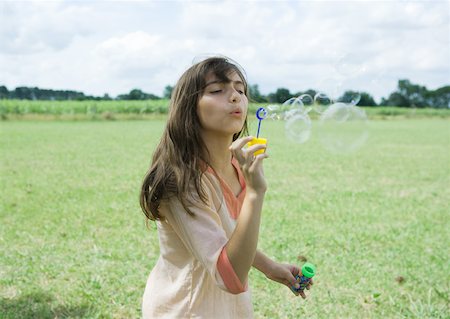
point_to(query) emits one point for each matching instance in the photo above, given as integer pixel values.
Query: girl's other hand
(251, 166)
(285, 274)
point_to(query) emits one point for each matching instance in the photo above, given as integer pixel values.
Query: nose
(235, 97)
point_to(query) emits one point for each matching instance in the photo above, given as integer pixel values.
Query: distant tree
(122, 97)
(310, 92)
(167, 91)
(396, 99)
(365, 98)
(22, 93)
(255, 95)
(137, 94)
(4, 93)
(439, 98)
(415, 94)
(281, 95)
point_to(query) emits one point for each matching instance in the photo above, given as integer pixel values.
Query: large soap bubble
(343, 128)
(295, 113)
(298, 123)
(298, 127)
(292, 106)
(274, 112)
(350, 64)
(308, 102)
(349, 97)
(321, 102)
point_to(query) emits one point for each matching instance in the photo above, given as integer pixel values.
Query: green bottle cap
(308, 270)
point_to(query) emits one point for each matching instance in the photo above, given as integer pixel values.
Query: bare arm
(262, 262)
(241, 248)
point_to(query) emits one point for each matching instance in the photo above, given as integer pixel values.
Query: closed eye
(240, 88)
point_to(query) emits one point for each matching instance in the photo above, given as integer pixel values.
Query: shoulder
(210, 186)
(210, 181)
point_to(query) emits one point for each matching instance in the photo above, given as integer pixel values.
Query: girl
(205, 191)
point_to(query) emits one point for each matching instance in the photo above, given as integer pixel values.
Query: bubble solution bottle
(308, 271)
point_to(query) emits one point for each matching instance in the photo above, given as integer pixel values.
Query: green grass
(90, 107)
(74, 242)
(125, 110)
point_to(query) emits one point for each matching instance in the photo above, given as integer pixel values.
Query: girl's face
(222, 108)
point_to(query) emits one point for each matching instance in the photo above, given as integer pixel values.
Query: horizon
(162, 95)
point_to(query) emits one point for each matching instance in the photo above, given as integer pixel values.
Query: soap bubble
(350, 97)
(307, 101)
(274, 112)
(330, 86)
(348, 90)
(292, 106)
(298, 127)
(286, 110)
(321, 102)
(350, 64)
(343, 128)
(351, 72)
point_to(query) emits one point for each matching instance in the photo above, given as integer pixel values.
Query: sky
(99, 47)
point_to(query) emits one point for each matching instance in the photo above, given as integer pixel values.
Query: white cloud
(32, 27)
(99, 47)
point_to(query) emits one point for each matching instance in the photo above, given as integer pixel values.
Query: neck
(219, 154)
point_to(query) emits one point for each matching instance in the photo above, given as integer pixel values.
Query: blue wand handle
(261, 114)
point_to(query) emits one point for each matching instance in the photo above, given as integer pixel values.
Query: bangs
(221, 68)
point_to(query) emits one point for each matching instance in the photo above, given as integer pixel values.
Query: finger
(295, 271)
(240, 143)
(302, 294)
(308, 286)
(293, 281)
(249, 159)
(236, 148)
(292, 285)
(258, 161)
(260, 157)
(256, 147)
(293, 289)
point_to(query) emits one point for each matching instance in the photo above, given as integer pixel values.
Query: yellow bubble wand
(261, 114)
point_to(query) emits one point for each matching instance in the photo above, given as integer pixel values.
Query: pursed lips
(236, 112)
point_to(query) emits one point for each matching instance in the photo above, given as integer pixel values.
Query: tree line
(407, 94)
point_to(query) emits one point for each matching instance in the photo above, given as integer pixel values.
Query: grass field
(147, 109)
(375, 222)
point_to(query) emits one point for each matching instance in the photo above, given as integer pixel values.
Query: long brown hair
(181, 154)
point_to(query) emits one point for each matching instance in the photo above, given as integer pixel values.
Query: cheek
(246, 107)
(205, 112)
(201, 116)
